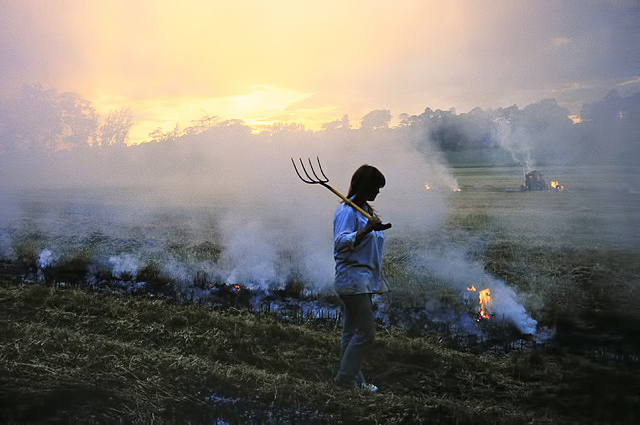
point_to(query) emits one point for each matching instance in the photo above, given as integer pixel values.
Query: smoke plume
(225, 204)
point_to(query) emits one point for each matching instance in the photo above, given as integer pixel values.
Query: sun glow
(260, 106)
(259, 62)
(280, 61)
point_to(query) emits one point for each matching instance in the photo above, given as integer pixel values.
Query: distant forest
(42, 119)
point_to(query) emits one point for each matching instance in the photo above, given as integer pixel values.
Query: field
(74, 352)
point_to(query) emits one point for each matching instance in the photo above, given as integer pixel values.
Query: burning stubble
(226, 206)
(451, 265)
(239, 184)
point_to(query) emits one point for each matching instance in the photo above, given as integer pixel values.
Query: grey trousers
(358, 335)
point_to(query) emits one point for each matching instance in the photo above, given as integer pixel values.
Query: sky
(313, 62)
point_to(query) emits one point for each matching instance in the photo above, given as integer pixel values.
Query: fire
(484, 301)
(428, 187)
(236, 288)
(556, 185)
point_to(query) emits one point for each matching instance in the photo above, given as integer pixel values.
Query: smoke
(125, 266)
(235, 197)
(452, 266)
(278, 228)
(226, 204)
(227, 187)
(516, 141)
(46, 258)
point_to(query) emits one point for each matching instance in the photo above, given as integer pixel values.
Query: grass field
(82, 354)
(77, 357)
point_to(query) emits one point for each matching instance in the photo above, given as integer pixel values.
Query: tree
(158, 135)
(45, 119)
(546, 114)
(201, 125)
(375, 120)
(610, 127)
(407, 120)
(30, 120)
(446, 130)
(286, 127)
(79, 121)
(115, 128)
(337, 124)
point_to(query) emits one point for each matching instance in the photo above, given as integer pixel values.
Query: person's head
(366, 183)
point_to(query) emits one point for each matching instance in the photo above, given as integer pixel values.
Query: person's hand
(372, 224)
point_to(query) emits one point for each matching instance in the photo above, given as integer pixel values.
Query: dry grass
(70, 355)
(84, 357)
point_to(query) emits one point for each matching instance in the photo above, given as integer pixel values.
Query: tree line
(45, 119)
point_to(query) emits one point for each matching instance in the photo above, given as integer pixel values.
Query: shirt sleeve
(345, 227)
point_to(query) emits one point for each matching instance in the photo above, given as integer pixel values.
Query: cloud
(635, 80)
(571, 86)
(354, 56)
(561, 41)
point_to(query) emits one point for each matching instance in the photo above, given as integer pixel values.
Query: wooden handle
(348, 201)
(353, 204)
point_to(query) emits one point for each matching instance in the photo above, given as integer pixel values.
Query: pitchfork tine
(307, 174)
(322, 172)
(318, 179)
(296, 168)
(324, 181)
(310, 180)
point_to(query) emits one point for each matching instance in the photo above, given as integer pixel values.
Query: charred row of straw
(288, 304)
(464, 329)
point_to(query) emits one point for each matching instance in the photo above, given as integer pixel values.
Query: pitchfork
(324, 181)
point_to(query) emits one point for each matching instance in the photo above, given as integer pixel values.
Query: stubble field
(78, 353)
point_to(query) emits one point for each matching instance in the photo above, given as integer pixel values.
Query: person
(358, 244)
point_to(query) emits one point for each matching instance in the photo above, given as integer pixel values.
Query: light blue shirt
(358, 267)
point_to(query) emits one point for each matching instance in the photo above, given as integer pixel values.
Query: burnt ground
(74, 353)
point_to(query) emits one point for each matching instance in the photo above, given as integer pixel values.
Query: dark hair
(365, 179)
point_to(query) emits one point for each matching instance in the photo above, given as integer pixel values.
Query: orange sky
(284, 60)
(251, 59)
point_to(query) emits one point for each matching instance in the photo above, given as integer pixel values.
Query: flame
(556, 185)
(236, 288)
(428, 187)
(484, 300)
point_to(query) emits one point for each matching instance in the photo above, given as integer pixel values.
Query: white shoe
(368, 387)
